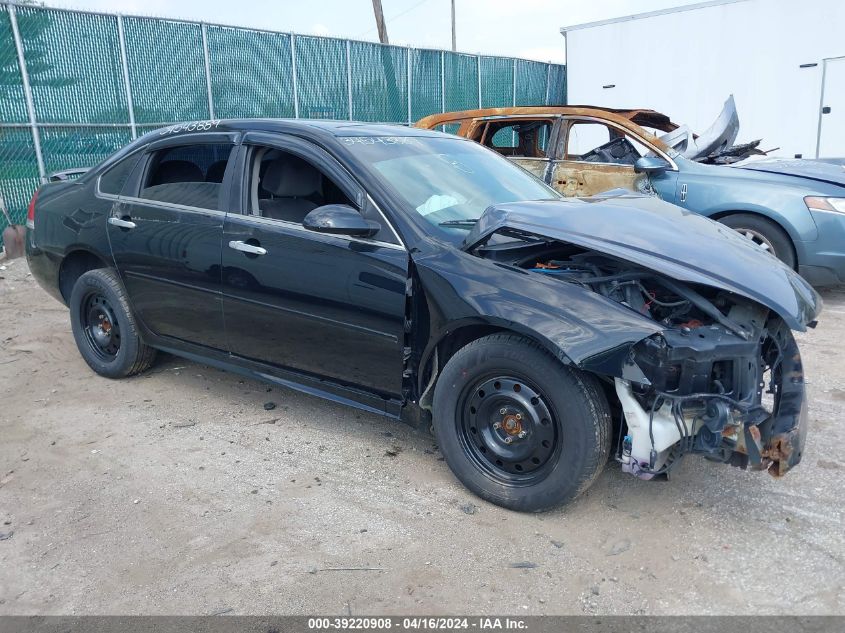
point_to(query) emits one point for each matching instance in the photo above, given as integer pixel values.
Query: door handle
(247, 248)
(124, 224)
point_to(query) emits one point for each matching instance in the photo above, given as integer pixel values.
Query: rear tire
(104, 327)
(765, 233)
(517, 427)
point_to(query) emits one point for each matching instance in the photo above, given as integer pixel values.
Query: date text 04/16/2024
(416, 623)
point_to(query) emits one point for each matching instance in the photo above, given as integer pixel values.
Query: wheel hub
(102, 331)
(510, 428)
(101, 326)
(757, 238)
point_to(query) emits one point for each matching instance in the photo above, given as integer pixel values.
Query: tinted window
(189, 175)
(115, 177)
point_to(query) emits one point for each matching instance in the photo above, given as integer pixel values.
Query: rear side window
(115, 177)
(189, 175)
(524, 138)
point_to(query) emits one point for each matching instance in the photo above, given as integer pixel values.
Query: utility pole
(386, 57)
(380, 25)
(454, 47)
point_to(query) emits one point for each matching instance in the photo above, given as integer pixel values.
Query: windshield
(449, 182)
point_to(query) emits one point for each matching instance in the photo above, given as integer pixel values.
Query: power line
(394, 17)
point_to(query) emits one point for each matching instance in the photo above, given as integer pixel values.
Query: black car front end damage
(732, 400)
(712, 383)
(722, 378)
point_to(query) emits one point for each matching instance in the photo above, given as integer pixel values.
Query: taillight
(30, 212)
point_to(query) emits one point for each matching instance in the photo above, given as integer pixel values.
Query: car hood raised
(802, 168)
(663, 238)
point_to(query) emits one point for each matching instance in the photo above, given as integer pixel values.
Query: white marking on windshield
(455, 163)
(380, 140)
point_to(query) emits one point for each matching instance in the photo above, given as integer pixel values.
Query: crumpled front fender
(575, 324)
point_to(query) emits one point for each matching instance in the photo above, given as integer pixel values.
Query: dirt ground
(176, 492)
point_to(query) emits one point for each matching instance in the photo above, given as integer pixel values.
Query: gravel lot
(176, 492)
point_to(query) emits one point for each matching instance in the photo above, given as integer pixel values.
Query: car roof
(321, 131)
(638, 116)
(302, 127)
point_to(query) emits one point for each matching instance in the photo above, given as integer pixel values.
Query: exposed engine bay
(722, 380)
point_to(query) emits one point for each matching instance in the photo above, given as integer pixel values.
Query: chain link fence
(75, 86)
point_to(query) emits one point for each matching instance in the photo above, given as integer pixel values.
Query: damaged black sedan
(424, 277)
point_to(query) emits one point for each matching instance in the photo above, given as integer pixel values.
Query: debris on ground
(523, 565)
(620, 546)
(270, 421)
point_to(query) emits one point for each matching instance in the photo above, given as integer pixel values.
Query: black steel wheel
(518, 427)
(101, 327)
(104, 327)
(508, 429)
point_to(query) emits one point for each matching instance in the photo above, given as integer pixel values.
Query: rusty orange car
(580, 151)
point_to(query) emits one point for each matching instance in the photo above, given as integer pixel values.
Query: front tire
(765, 234)
(517, 427)
(104, 327)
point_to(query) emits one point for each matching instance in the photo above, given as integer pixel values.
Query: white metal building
(783, 60)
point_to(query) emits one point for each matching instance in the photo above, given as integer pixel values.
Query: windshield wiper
(470, 222)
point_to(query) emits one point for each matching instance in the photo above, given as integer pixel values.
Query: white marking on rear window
(193, 126)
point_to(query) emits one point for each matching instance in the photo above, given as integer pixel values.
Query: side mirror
(651, 165)
(340, 219)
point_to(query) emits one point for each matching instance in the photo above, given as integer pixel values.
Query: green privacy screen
(12, 104)
(497, 85)
(166, 70)
(67, 147)
(461, 87)
(321, 78)
(379, 82)
(97, 81)
(250, 73)
(426, 83)
(74, 68)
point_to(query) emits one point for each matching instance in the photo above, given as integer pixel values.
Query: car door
(593, 156)
(325, 305)
(165, 233)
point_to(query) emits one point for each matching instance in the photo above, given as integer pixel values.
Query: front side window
(594, 142)
(188, 175)
(449, 182)
(285, 187)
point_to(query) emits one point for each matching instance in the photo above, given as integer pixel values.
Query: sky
(517, 28)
